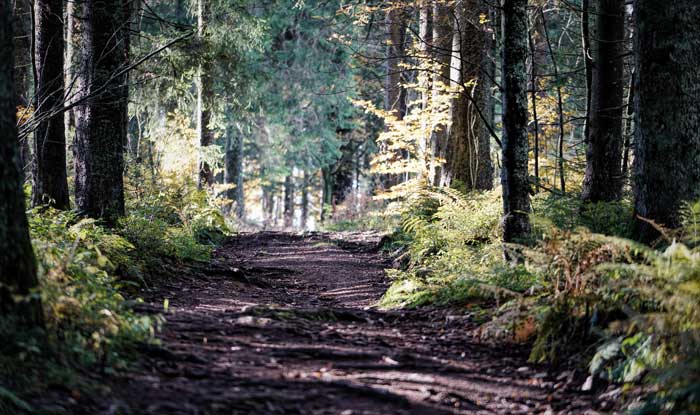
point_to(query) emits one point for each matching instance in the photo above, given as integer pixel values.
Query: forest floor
(285, 324)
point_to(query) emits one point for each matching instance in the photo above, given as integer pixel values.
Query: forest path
(284, 324)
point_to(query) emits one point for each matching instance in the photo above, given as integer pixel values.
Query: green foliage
(85, 272)
(632, 311)
(453, 248)
(89, 324)
(568, 212)
(174, 221)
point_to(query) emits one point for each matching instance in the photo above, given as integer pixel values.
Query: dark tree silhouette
(17, 263)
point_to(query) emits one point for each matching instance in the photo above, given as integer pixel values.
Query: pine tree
(102, 116)
(514, 174)
(17, 262)
(49, 169)
(603, 179)
(667, 112)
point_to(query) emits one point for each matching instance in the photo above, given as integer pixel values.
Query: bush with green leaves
(176, 221)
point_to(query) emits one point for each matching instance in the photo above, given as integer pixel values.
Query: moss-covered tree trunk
(667, 111)
(17, 263)
(603, 178)
(49, 170)
(514, 174)
(101, 119)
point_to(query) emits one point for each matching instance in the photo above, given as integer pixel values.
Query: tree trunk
(425, 39)
(233, 174)
(17, 263)
(327, 195)
(305, 200)
(49, 173)
(101, 120)
(69, 61)
(514, 175)
(23, 71)
(394, 92)
(603, 178)
(442, 54)
(468, 158)
(484, 98)
(289, 201)
(587, 62)
(667, 97)
(204, 97)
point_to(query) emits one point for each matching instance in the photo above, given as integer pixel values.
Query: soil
(282, 323)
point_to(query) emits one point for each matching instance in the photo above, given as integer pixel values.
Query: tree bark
(71, 33)
(23, 71)
(587, 62)
(17, 262)
(289, 201)
(425, 39)
(667, 104)
(468, 155)
(603, 178)
(514, 174)
(394, 92)
(305, 200)
(101, 121)
(327, 193)
(233, 174)
(204, 97)
(49, 174)
(442, 54)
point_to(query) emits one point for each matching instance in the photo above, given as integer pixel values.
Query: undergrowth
(584, 292)
(89, 276)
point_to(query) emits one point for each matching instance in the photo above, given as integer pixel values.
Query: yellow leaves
(483, 19)
(24, 114)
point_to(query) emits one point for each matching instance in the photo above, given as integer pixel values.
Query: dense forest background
(539, 155)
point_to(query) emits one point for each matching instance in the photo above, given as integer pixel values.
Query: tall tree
(394, 92)
(441, 55)
(17, 263)
(205, 93)
(667, 104)
(468, 158)
(289, 200)
(49, 168)
(396, 21)
(101, 119)
(514, 174)
(233, 168)
(603, 178)
(22, 18)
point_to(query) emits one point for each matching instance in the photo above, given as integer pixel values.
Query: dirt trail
(284, 324)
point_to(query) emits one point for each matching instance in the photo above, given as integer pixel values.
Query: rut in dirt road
(284, 324)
